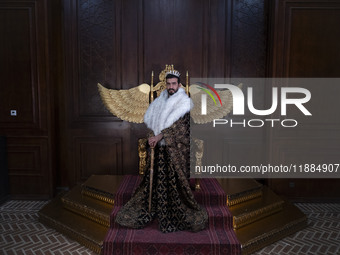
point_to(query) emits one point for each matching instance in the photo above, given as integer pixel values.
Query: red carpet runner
(217, 238)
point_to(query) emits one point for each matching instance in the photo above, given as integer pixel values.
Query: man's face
(172, 85)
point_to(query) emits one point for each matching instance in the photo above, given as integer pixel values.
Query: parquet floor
(322, 236)
(21, 233)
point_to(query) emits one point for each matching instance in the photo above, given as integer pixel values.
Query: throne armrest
(198, 150)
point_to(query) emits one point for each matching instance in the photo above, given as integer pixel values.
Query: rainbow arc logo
(204, 97)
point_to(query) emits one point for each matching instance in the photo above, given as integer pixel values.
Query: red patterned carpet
(217, 238)
(22, 233)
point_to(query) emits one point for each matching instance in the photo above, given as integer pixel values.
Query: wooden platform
(83, 213)
(260, 217)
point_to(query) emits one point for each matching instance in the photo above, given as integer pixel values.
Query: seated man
(172, 200)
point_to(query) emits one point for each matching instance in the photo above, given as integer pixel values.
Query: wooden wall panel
(130, 26)
(242, 57)
(323, 107)
(24, 76)
(303, 190)
(90, 56)
(28, 164)
(96, 57)
(119, 43)
(172, 35)
(305, 38)
(244, 152)
(55, 52)
(319, 150)
(249, 37)
(19, 66)
(314, 49)
(97, 155)
(304, 44)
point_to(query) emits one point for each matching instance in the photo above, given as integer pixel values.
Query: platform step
(240, 190)
(102, 187)
(256, 209)
(78, 228)
(86, 206)
(261, 233)
(150, 240)
(258, 216)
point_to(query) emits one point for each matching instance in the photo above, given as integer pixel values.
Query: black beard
(172, 91)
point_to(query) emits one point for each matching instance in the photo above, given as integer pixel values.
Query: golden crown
(173, 72)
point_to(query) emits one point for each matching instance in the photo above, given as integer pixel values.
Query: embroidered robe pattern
(173, 203)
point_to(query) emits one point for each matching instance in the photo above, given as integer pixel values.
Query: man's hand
(154, 140)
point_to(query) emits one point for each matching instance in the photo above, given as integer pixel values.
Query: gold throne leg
(198, 155)
(197, 184)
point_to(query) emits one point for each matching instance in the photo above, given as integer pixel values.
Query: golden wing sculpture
(131, 104)
(126, 104)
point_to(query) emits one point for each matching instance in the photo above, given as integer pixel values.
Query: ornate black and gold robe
(173, 203)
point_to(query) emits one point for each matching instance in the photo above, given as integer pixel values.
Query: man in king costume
(172, 202)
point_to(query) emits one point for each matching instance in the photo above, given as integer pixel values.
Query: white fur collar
(165, 111)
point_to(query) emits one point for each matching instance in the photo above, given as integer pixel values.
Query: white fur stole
(166, 110)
